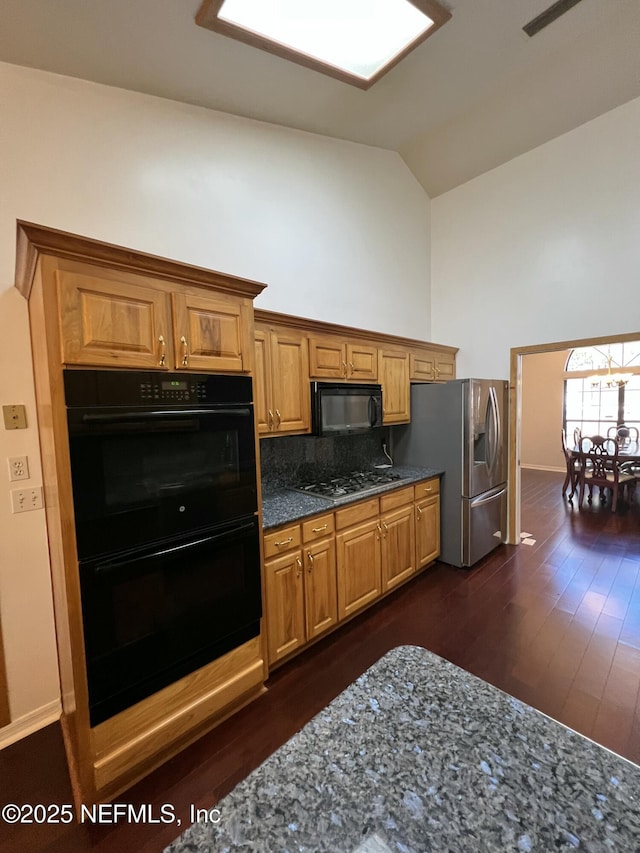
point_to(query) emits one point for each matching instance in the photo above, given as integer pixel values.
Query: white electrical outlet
(18, 467)
(24, 500)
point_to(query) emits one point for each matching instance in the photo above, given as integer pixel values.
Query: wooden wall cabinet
(427, 365)
(393, 373)
(94, 304)
(350, 361)
(114, 318)
(282, 390)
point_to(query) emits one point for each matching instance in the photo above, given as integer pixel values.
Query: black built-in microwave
(345, 408)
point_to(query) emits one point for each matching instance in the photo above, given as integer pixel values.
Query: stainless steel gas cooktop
(358, 482)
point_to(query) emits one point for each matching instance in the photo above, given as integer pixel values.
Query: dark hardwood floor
(556, 624)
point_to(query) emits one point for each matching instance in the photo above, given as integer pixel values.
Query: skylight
(353, 40)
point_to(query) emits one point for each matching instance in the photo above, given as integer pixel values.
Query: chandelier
(610, 380)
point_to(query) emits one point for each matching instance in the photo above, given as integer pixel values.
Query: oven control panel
(102, 388)
(173, 391)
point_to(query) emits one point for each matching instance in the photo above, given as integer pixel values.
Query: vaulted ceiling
(475, 94)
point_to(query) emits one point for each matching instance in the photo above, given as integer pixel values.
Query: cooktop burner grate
(350, 484)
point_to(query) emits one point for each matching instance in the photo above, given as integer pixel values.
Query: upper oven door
(143, 474)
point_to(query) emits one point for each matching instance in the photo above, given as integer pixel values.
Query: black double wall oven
(164, 483)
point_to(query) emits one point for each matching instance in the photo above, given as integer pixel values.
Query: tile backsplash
(293, 459)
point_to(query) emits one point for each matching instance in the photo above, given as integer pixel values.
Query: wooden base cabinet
(301, 592)
(427, 507)
(398, 536)
(328, 568)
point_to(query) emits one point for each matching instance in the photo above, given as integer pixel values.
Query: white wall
(542, 402)
(545, 248)
(338, 231)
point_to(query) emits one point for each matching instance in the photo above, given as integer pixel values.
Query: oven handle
(127, 417)
(117, 564)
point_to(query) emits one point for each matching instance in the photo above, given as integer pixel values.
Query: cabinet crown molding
(320, 327)
(35, 240)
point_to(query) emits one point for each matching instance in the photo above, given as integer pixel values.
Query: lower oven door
(151, 616)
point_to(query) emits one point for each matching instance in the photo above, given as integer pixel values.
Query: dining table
(627, 451)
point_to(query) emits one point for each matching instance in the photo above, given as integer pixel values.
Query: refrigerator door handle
(487, 498)
(496, 437)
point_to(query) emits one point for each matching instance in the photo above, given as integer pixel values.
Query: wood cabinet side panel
(58, 500)
(427, 531)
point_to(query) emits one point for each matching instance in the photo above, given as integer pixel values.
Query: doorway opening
(515, 414)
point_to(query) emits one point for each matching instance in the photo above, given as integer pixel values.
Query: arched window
(602, 388)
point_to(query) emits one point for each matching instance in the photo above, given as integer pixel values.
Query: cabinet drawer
(318, 527)
(427, 489)
(396, 498)
(356, 513)
(281, 541)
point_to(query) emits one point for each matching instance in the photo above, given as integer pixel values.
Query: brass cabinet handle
(419, 511)
(352, 367)
(436, 370)
(310, 557)
(318, 529)
(344, 367)
(279, 417)
(386, 529)
(163, 351)
(185, 354)
(379, 532)
(270, 419)
(428, 489)
(284, 542)
(299, 571)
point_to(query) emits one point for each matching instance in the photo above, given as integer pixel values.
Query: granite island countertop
(419, 756)
(285, 505)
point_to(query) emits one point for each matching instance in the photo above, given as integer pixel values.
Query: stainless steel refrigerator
(461, 427)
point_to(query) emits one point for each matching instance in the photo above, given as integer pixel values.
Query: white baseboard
(561, 470)
(30, 723)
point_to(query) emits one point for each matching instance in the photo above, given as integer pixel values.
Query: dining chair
(573, 469)
(623, 433)
(600, 466)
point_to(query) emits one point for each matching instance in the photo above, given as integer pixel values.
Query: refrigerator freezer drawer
(483, 524)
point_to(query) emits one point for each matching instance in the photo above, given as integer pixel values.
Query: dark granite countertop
(419, 756)
(282, 506)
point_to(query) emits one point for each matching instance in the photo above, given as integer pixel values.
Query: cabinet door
(262, 383)
(291, 402)
(359, 559)
(362, 362)
(285, 605)
(422, 366)
(398, 546)
(427, 530)
(210, 333)
(445, 366)
(394, 377)
(320, 584)
(327, 358)
(109, 322)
